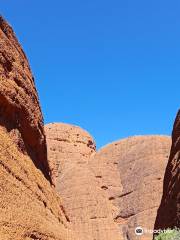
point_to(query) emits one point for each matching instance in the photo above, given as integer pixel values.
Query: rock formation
(103, 195)
(29, 207)
(169, 210)
(131, 173)
(86, 205)
(20, 112)
(109, 193)
(68, 146)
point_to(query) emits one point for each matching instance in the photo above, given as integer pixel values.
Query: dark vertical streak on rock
(168, 215)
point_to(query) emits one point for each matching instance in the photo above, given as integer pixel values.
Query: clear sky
(111, 67)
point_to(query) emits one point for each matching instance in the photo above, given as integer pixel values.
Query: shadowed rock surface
(88, 209)
(131, 173)
(169, 210)
(29, 207)
(20, 112)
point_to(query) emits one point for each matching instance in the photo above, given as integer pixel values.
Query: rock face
(169, 211)
(105, 195)
(86, 205)
(20, 112)
(131, 172)
(68, 146)
(109, 193)
(29, 207)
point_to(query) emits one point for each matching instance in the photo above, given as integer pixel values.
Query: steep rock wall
(20, 112)
(169, 211)
(29, 206)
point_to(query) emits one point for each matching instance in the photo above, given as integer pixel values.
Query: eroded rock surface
(107, 194)
(29, 207)
(88, 209)
(68, 146)
(104, 195)
(169, 210)
(20, 112)
(131, 173)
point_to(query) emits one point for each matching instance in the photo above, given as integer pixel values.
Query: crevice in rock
(64, 212)
(125, 194)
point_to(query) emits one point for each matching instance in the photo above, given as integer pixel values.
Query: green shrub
(169, 234)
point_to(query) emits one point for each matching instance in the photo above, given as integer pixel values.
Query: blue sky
(111, 67)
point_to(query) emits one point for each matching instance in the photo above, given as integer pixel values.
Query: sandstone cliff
(88, 209)
(29, 207)
(169, 210)
(20, 112)
(109, 193)
(103, 195)
(131, 172)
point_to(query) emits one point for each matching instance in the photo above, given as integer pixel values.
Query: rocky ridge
(20, 112)
(30, 208)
